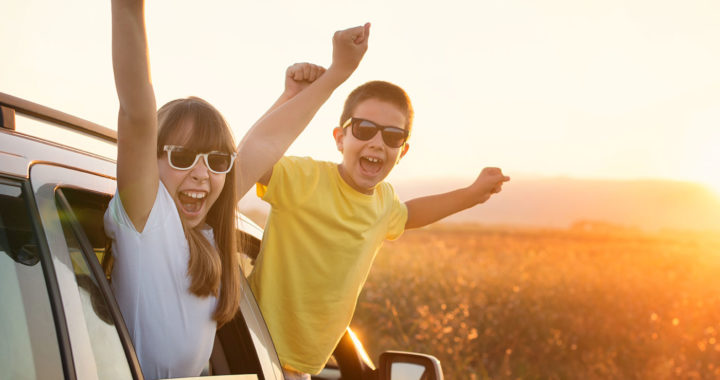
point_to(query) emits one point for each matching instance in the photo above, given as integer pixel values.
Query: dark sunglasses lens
(182, 158)
(219, 162)
(364, 130)
(393, 137)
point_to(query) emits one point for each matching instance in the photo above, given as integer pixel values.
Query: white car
(58, 316)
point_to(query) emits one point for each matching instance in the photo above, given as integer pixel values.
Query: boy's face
(367, 163)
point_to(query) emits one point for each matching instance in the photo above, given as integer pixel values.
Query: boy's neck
(348, 181)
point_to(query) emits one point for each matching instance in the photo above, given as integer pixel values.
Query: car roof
(19, 150)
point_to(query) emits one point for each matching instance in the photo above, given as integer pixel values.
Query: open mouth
(192, 201)
(371, 165)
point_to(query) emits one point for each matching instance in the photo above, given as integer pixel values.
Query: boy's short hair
(383, 91)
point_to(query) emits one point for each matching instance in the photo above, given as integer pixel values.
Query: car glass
(29, 347)
(87, 211)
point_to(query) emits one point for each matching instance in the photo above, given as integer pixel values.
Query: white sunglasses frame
(170, 148)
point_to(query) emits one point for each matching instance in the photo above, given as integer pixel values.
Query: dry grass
(583, 303)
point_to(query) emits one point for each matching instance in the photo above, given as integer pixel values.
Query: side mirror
(396, 365)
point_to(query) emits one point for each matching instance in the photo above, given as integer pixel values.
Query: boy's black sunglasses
(181, 158)
(364, 130)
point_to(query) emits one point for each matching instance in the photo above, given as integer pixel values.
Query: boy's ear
(404, 150)
(338, 134)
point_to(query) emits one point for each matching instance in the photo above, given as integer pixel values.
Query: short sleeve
(291, 176)
(116, 217)
(397, 216)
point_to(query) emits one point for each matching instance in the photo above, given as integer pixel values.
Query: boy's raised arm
(266, 142)
(426, 210)
(137, 172)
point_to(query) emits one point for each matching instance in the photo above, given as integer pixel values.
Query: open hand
(299, 76)
(349, 46)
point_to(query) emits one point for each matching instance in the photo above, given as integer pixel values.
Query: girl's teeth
(194, 195)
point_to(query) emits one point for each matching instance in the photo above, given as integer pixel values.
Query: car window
(81, 215)
(29, 347)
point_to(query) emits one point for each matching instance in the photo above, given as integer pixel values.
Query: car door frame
(45, 179)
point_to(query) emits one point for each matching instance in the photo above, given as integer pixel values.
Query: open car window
(81, 215)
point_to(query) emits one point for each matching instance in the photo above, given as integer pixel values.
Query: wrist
(338, 74)
(287, 95)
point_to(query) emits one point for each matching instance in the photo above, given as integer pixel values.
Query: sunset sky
(586, 89)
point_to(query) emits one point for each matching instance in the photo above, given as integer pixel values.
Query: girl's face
(194, 190)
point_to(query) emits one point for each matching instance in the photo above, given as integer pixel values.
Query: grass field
(589, 302)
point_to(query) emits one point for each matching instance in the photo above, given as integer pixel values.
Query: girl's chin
(193, 222)
(192, 216)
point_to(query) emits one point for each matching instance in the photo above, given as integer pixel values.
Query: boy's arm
(426, 210)
(137, 172)
(266, 142)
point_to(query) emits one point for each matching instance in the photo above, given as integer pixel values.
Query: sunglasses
(181, 158)
(364, 130)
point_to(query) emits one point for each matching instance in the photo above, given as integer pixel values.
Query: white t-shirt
(172, 330)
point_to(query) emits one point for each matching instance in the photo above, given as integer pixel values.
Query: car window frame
(48, 271)
(45, 179)
(97, 272)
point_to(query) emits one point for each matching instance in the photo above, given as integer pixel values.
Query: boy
(327, 222)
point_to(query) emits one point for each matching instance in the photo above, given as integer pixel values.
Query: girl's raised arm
(266, 142)
(137, 170)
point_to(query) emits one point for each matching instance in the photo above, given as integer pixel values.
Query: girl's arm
(297, 78)
(137, 170)
(266, 142)
(426, 210)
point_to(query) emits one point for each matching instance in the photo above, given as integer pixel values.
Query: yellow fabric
(319, 244)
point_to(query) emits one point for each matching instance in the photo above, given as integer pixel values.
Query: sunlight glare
(360, 348)
(702, 147)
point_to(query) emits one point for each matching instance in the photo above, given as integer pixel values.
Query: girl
(179, 176)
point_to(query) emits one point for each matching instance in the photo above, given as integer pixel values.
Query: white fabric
(172, 329)
(292, 375)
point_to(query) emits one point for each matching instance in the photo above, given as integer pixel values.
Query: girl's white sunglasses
(181, 158)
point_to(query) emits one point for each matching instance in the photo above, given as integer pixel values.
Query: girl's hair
(212, 269)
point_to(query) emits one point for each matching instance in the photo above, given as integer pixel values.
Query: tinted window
(28, 348)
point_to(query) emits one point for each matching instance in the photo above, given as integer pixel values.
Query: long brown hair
(213, 270)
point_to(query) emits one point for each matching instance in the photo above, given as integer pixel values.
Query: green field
(590, 302)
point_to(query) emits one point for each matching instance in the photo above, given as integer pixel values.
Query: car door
(71, 203)
(30, 346)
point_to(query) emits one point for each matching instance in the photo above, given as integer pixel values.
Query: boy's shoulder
(299, 162)
(295, 167)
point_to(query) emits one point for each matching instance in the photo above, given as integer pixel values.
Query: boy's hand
(299, 76)
(349, 46)
(489, 182)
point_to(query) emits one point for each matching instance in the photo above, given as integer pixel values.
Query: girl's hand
(299, 76)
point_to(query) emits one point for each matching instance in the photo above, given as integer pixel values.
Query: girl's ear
(339, 134)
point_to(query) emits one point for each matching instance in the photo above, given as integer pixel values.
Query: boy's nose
(377, 141)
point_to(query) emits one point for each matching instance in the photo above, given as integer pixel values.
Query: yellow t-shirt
(320, 241)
